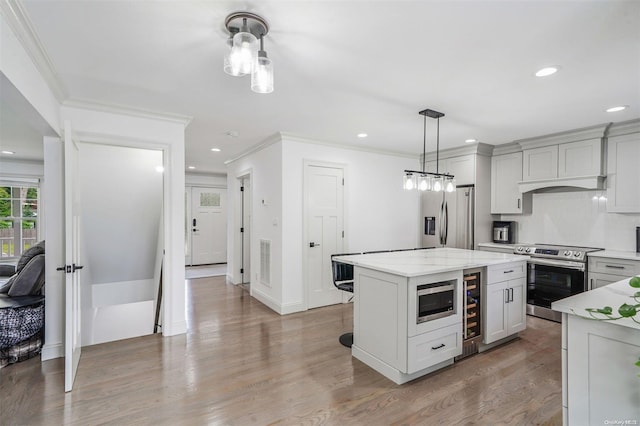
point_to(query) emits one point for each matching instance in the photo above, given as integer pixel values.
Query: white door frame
(173, 289)
(305, 224)
(234, 231)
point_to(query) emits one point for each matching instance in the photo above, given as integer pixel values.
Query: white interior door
(324, 202)
(73, 259)
(208, 226)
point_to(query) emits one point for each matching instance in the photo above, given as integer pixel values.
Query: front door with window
(208, 226)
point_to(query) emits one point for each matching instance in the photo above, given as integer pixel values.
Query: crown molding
(624, 128)
(275, 138)
(17, 18)
(586, 133)
(127, 110)
(478, 148)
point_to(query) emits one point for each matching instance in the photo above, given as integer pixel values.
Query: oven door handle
(561, 264)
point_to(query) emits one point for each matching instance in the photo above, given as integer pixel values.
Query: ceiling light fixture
(244, 54)
(8, 152)
(429, 181)
(191, 167)
(215, 149)
(617, 108)
(362, 135)
(470, 140)
(545, 72)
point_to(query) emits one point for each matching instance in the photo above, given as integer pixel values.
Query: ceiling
(346, 67)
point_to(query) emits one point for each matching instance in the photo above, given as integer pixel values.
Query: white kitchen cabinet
(506, 172)
(600, 377)
(604, 270)
(623, 174)
(579, 159)
(505, 302)
(462, 167)
(540, 163)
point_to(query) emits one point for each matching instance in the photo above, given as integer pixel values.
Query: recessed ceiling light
(191, 167)
(232, 133)
(544, 72)
(362, 135)
(470, 140)
(8, 152)
(617, 108)
(215, 149)
(159, 169)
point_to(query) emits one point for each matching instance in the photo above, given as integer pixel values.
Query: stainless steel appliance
(449, 218)
(553, 273)
(436, 300)
(471, 312)
(504, 232)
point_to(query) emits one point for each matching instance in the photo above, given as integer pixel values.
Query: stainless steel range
(553, 273)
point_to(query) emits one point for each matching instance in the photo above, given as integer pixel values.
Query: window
(18, 219)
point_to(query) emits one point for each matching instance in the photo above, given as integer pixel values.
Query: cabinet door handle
(506, 295)
(442, 345)
(511, 292)
(509, 271)
(614, 266)
(591, 284)
(518, 202)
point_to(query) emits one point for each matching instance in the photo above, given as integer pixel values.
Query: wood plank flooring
(242, 364)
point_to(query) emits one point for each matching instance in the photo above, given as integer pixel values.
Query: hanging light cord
(424, 143)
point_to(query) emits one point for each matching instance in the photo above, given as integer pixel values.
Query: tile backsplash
(577, 218)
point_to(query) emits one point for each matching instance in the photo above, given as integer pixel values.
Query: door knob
(314, 244)
(195, 230)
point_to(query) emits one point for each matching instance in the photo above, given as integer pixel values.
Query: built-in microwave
(436, 300)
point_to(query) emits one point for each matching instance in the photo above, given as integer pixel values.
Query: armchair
(22, 306)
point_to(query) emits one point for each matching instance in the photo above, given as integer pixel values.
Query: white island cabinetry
(600, 383)
(386, 333)
(505, 301)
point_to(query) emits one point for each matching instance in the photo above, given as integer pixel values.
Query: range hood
(585, 182)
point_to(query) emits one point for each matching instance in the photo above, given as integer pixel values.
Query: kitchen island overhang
(387, 335)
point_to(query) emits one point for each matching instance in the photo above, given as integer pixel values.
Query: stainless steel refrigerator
(448, 218)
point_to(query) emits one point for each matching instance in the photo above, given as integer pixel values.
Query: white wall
(575, 218)
(121, 196)
(378, 213)
(265, 166)
(201, 179)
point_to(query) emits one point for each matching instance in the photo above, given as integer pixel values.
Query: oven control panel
(565, 253)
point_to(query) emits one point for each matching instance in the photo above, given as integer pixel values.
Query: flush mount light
(159, 169)
(215, 149)
(429, 181)
(544, 72)
(362, 135)
(470, 140)
(244, 54)
(617, 108)
(8, 152)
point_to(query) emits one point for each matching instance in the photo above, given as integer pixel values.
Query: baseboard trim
(178, 327)
(52, 351)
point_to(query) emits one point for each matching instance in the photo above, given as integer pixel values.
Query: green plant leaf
(636, 294)
(607, 310)
(627, 311)
(638, 363)
(635, 282)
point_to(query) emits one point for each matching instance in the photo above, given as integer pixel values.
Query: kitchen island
(600, 383)
(388, 333)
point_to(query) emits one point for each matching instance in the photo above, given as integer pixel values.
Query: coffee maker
(504, 232)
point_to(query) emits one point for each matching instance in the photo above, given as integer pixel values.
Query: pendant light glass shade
(262, 75)
(424, 183)
(437, 184)
(243, 53)
(409, 182)
(228, 68)
(450, 185)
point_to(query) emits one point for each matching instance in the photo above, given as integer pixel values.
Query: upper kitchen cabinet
(573, 159)
(462, 167)
(506, 173)
(623, 168)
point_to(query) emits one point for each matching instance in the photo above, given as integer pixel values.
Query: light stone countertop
(414, 263)
(614, 295)
(616, 254)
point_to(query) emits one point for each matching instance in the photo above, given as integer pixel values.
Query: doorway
(207, 226)
(245, 232)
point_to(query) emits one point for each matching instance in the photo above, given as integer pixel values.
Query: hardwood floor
(242, 364)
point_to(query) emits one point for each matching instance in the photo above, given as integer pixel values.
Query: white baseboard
(173, 329)
(52, 351)
(274, 305)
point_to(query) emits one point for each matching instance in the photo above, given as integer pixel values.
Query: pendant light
(244, 55)
(429, 181)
